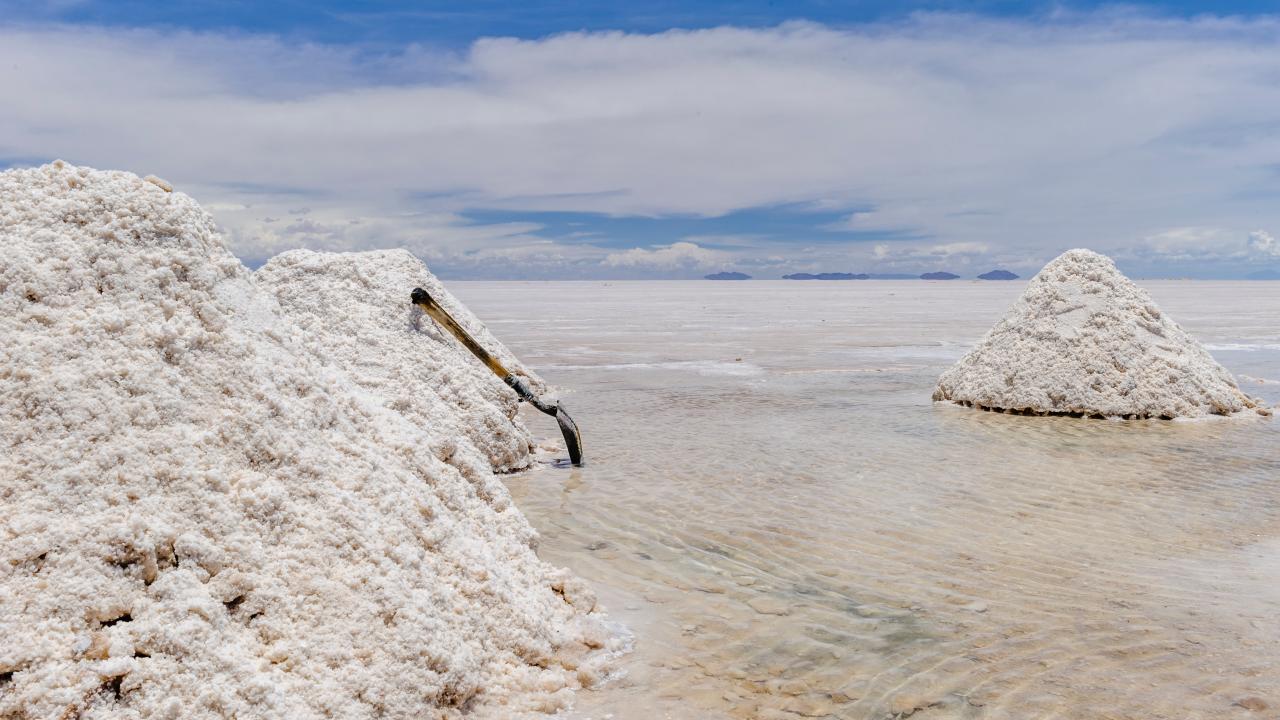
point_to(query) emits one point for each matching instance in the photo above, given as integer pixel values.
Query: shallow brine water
(791, 528)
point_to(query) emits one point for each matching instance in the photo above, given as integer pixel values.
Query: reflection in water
(812, 537)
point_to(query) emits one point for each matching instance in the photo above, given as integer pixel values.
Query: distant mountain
(892, 276)
(939, 276)
(1265, 275)
(998, 275)
(728, 276)
(826, 276)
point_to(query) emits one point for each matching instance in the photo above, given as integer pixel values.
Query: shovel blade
(572, 438)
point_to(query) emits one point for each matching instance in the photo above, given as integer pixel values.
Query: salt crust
(1084, 340)
(354, 309)
(201, 518)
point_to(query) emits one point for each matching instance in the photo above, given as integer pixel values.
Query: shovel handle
(572, 438)
(423, 299)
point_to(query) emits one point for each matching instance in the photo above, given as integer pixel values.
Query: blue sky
(456, 24)
(620, 140)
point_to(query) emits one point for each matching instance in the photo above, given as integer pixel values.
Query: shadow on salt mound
(203, 517)
(1084, 341)
(355, 310)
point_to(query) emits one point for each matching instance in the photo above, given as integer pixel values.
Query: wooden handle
(428, 304)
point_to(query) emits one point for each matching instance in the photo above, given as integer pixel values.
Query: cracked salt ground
(833, 544)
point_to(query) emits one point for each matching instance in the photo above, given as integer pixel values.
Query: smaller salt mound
(1084, 340)
(354, 309)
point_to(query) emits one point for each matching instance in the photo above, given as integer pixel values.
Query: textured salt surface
(1083, 339)
(354, 309)
(203, 519)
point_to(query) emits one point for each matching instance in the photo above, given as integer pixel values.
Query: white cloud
(1189, 244)
(948, 250)
(1197, 247)
(1025, 138)
(940, 256)
(1261, 244)
(676, 255)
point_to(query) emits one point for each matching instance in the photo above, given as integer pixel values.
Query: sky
(558, 140)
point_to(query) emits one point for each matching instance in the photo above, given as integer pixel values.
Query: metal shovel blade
(572, 438)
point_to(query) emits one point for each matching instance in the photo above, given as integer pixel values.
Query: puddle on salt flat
(817, 539)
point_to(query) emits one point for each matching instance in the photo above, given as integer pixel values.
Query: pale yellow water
(802, 533)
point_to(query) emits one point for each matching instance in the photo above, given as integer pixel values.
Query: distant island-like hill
(728, 276)
(826, 276)
(939, 276)
(998, 275)
(1265, 275)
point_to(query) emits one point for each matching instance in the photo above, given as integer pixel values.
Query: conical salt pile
(1084, 340)
(201, 518)
(354, 309)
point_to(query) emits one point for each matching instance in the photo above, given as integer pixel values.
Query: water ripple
(814, 538)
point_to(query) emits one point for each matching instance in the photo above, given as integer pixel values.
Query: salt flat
(793, 529)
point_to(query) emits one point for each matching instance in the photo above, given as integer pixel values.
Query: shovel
(572, 438)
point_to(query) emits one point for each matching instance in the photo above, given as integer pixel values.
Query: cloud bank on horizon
(920, 143)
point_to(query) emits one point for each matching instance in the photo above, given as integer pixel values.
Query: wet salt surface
(812, 537)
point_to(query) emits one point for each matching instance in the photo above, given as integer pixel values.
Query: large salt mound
(201, 519)
(1083, 339)
(354, 309)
